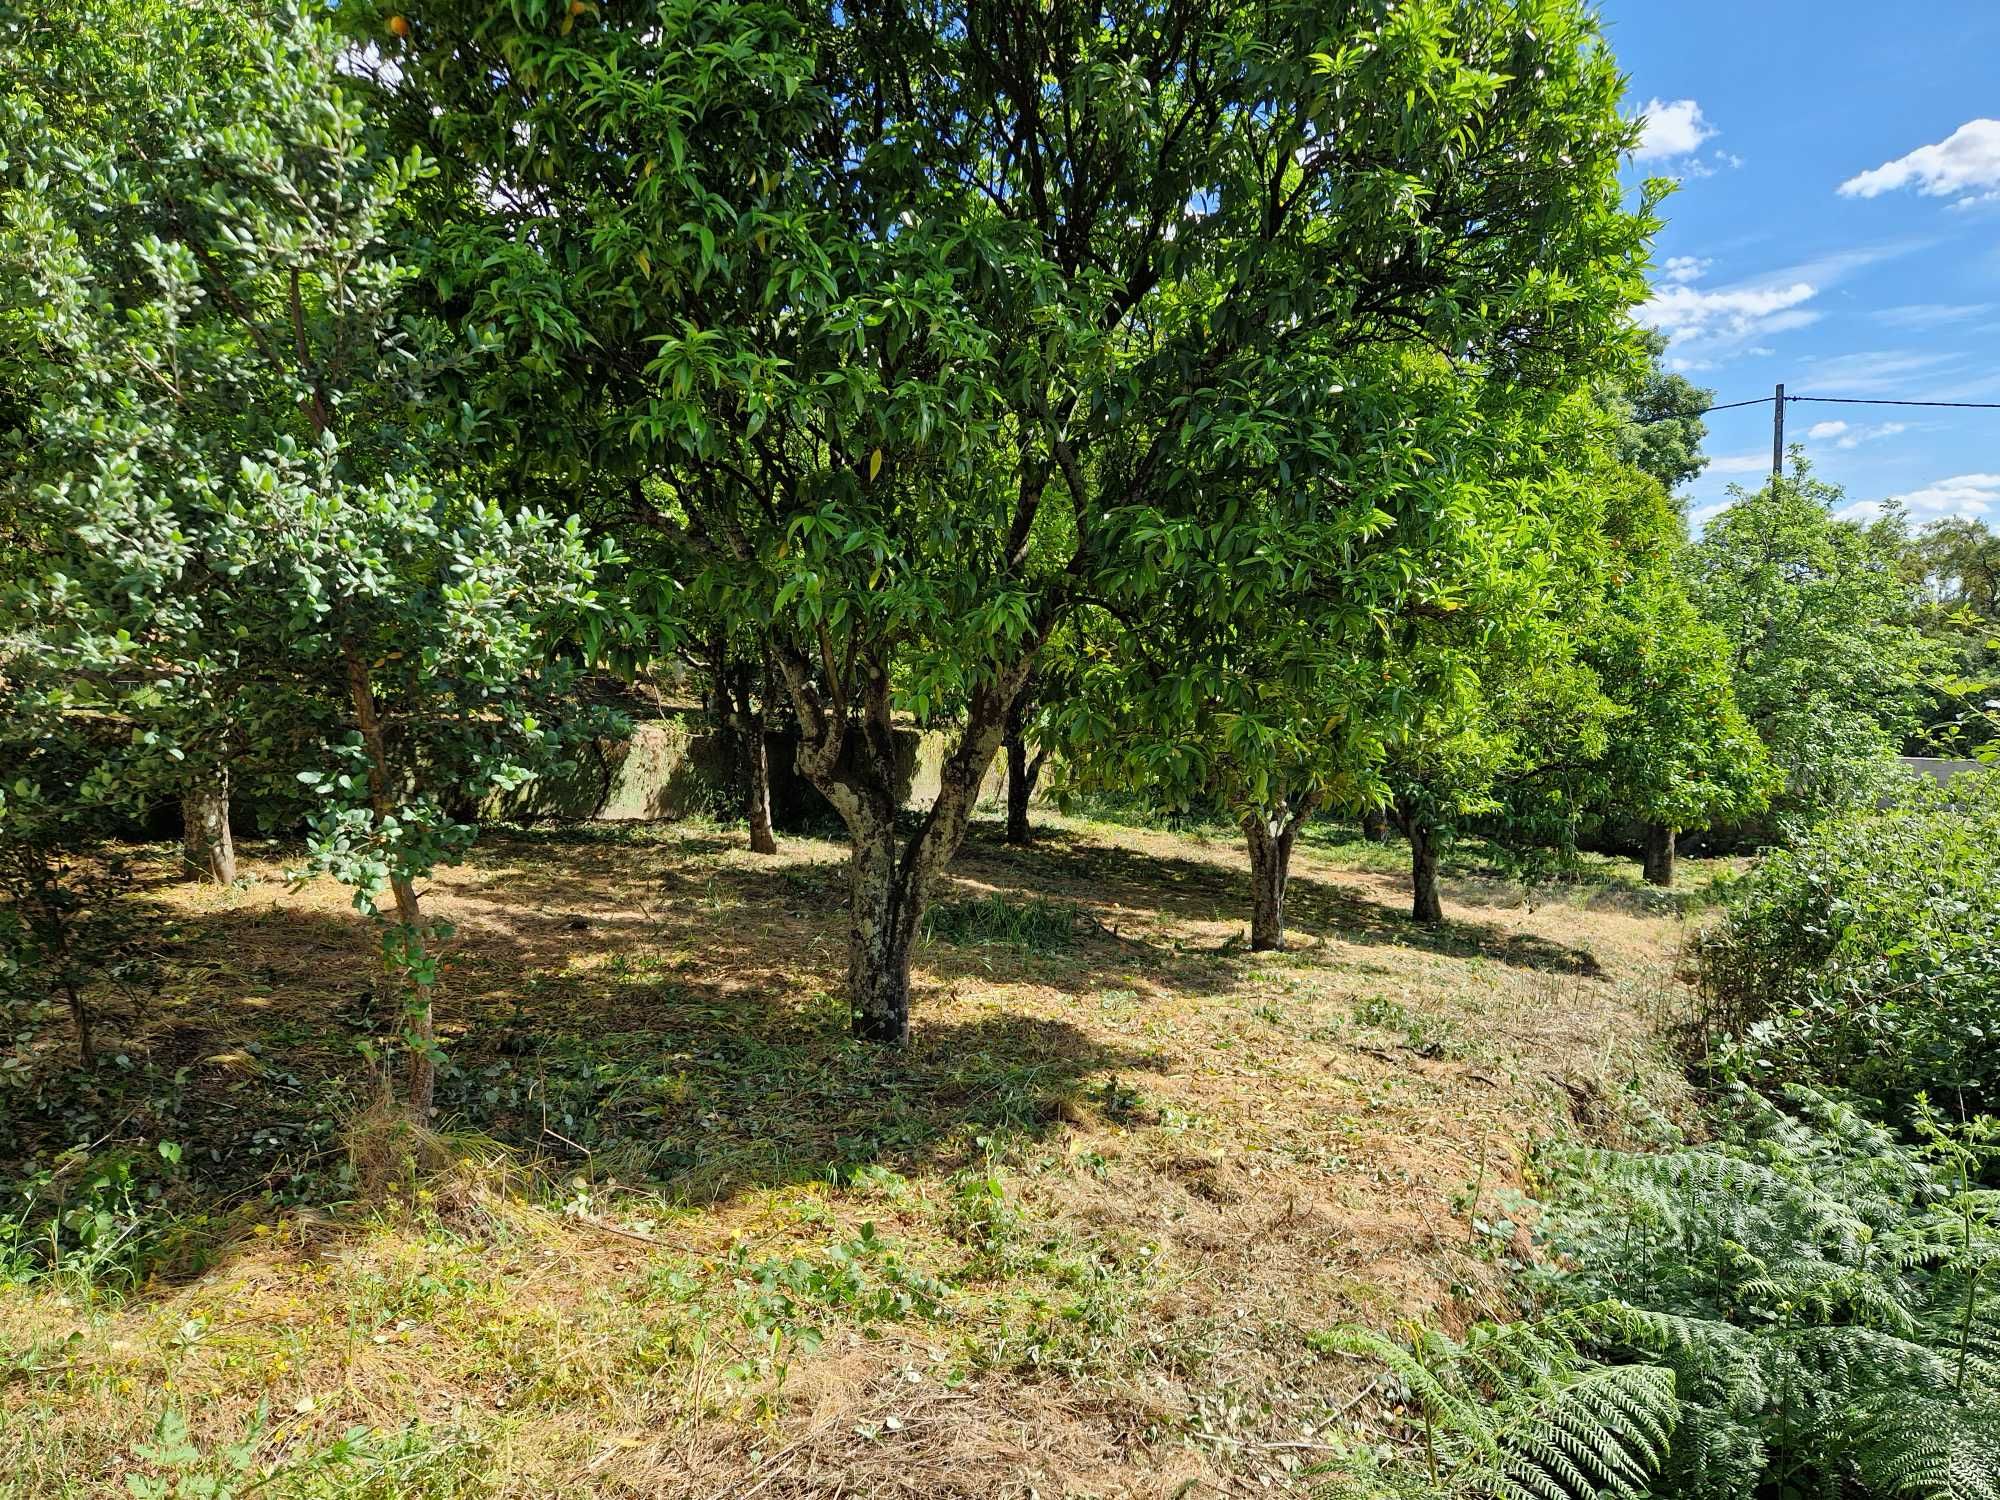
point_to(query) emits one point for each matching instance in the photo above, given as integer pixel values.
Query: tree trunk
(206, 846)
(743, 713)
(1375, 825)
(1270, 871)
(1023, 771)
(848, 749)
(762, 839)
(1425, 907)
(885, 906)
(405, 963)
(1659, 854)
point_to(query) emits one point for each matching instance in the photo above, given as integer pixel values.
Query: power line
(1826, 401)
(1884, 401)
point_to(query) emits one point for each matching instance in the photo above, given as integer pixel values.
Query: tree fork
(889, 879)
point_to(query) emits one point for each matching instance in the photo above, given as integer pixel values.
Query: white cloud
(1841, 435)
(1710, 326)
(1931, 314)
(1741, 463)
(1965, 162)
(1675, 129)
(1871, 372)
(1961, 495)
(1689, 314)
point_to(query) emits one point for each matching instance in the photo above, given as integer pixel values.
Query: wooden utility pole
(1778, 433)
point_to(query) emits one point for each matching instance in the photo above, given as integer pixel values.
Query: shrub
(1867, 957)
(1807, 1307)
(1824, 1295)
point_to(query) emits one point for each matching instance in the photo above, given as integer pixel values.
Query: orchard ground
(692, 1241)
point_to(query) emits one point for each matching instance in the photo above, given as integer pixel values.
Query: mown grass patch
(1035, 924)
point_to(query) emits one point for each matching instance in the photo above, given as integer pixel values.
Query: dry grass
(1069, 1245)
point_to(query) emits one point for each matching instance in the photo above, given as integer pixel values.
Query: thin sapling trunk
(406, 964)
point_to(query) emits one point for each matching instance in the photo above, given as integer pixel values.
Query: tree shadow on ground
(1212, 891)
(694, 1045)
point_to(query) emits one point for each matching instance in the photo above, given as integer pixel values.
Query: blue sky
(1837, 228)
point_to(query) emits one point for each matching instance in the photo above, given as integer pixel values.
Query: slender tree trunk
(1375, 825)
(757, 758)
(1425, 907)
(206, 844)
(762, 839)
(1270, 869)
(1023, 771)
(79, 1013)
(1659, 864)
(408, 971)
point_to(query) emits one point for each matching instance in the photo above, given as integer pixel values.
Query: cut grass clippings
(1076, 1239)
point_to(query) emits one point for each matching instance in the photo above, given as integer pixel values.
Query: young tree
(1956, 562)
(246, 511)
(932, 319)
(1657, 428)
(1680, 754)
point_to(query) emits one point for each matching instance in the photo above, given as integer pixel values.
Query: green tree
(933, 321)
(1492, 720)
(1658, 414)
(1828, 658)
(1680, 754)
(249, 513)
(1956, 562)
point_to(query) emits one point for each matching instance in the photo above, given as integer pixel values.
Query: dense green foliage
(1806, 1306)
(249, 534)
(1956, 562)
(1867, 955)
(1824, 1296)
(1821, 623)
(1517, 1411)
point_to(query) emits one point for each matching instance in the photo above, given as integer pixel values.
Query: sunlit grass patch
(1036, 923)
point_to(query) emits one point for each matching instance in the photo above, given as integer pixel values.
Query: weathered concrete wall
(679, 768)
(1939, 771)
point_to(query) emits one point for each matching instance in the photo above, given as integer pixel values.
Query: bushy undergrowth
(1866, 958)
(1808, 1306)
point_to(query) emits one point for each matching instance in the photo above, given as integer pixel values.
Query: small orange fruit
(577, 7)
(399, 27)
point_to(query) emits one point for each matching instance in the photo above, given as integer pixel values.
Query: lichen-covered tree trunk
(1659, 860)
(1271, 837)
(848, 749)
(406, 965)
(206, 845)
(1425, 907)
(885, 905)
